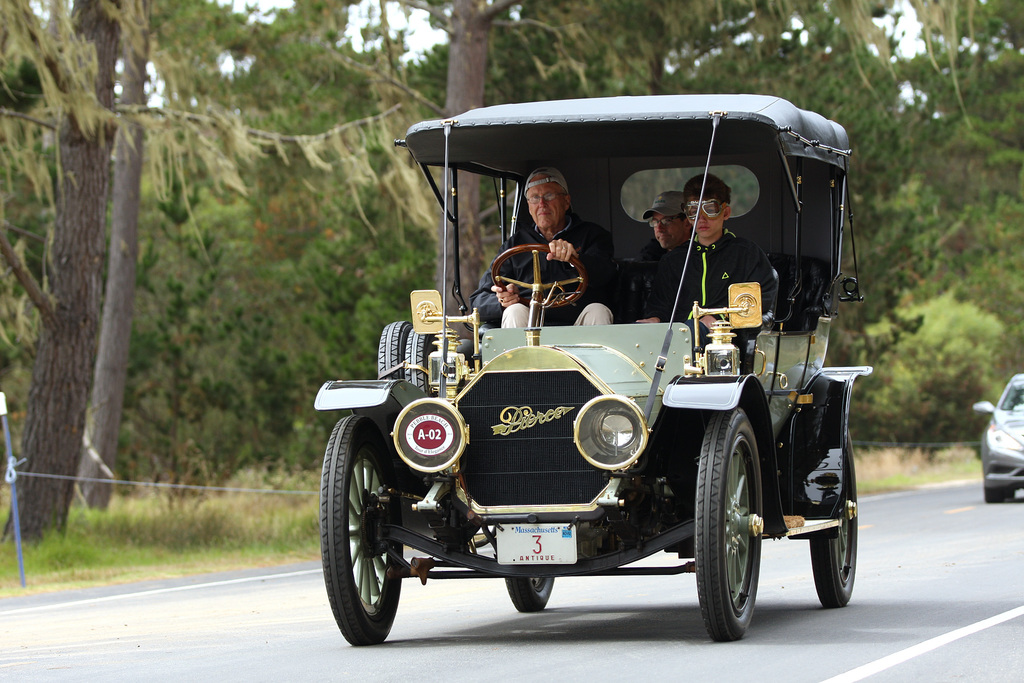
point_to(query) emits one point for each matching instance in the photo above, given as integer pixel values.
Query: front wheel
(996, 495)
(530, 595)
(834, 560)
(364, 600)
(728, 525)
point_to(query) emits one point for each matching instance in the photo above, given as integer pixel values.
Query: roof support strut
(659, 367)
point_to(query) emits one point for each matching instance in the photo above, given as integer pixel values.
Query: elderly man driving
(567, 236)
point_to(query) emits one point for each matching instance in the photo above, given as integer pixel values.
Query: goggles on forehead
(711, 208)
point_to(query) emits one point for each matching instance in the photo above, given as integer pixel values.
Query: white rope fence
(160, 485)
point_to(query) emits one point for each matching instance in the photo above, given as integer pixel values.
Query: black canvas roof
(503, 139)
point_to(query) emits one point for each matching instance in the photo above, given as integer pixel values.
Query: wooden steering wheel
(557, 294)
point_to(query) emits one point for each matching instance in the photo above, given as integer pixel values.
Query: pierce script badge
(517, 418)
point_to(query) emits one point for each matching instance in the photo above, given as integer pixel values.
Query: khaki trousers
(518, 315)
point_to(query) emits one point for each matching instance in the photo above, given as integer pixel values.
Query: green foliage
(983, 266)
(223, 365)
(231, 340)
(932, 361)
(172, 381)
(23, 87)
(362, 286)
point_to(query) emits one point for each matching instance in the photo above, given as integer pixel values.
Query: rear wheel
(530, 595)
(364, 600)
(391, 349)
(834, 560)
(417, 351)
(728, 525)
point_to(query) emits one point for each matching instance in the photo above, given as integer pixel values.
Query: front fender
(704, 393)
(718, 394)
(353, 394)
(381, 401)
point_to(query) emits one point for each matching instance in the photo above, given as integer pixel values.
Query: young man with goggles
(717, 259)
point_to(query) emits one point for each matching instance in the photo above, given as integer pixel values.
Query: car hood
(1010, 422)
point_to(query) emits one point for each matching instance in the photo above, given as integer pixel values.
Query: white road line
(158, 591)
(879, 665)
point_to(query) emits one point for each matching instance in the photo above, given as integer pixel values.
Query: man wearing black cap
(567, 235)
(671, 226)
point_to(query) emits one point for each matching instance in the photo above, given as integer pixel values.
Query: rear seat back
(811, 282)
(633, 287)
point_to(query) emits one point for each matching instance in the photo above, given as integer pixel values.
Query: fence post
(10, 476)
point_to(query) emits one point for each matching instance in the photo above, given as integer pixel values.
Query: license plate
(536, 544)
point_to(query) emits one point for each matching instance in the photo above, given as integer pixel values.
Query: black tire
(364, 600)
(728, 556)
(530, 595)
(997, 495)
(391, 349)
(834, 560)
(418, 348)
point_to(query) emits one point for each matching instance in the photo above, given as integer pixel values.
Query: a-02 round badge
(429, 434)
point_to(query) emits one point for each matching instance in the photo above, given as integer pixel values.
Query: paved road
(939, 597)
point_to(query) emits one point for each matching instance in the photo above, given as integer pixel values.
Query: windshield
(1013, 399)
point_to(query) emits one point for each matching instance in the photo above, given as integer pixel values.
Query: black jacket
(652, 251)
(594, 246)
(712, 269)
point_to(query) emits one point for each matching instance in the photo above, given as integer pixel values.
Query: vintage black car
(533, 453)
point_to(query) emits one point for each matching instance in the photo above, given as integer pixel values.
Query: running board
(798, 526)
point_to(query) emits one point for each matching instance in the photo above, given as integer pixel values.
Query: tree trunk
(55, 420)
(103, 424)
(470, 23)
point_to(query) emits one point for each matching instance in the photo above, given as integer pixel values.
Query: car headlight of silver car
(610, 432)
(430, 435)
(998, 438)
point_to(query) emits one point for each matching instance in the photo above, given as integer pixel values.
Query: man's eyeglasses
(663, 222)
(711, 208)
(546, 198)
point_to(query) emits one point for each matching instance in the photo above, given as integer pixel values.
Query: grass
(163, 534)
(895, 469)
(155, 535)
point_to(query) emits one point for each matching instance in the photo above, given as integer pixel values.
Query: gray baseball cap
(667, 204)
(548, 174)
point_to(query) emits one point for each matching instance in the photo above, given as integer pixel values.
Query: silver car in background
(1002, 446)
